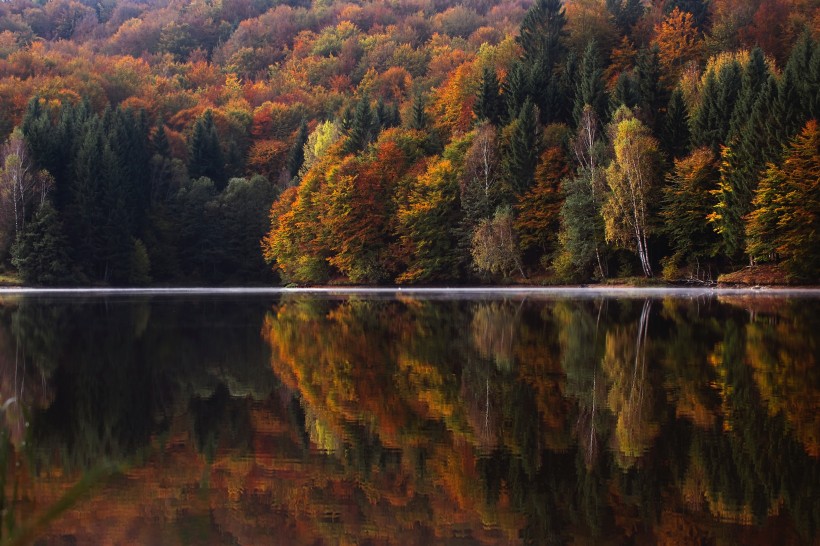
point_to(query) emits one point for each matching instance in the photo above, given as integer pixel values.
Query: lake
(410, 417)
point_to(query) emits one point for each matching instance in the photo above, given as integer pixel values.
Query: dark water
(410, 419)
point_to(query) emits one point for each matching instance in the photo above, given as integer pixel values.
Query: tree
(785, 222)
(538, 211)
(589, 87)
(542, 31)
(626, 13)
(363, 127)
(687, 202)
(22, 189)
(41, 252)
(489, 104)
(427, 218)
(520, 154)
(297, 152)
(710, 123)
(480, 182)
(630, 178)
(678, 42)
(206, 153)
(495, 247)
(675, 135)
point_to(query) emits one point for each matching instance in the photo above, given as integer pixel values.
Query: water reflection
(410, 420)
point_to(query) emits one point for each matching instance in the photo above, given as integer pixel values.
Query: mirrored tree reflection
(355, 419)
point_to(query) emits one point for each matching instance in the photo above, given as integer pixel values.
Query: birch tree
(630, 178)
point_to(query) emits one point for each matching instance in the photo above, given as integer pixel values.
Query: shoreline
(437, 291)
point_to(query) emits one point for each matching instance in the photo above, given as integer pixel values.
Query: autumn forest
(222, 142)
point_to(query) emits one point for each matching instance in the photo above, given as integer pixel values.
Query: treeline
(123, 211)
(421, 143)
(668, 169)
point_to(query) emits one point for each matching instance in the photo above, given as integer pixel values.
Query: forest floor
(763, 275)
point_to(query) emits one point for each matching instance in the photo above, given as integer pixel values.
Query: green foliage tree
(520, 152)
(206, 158)
(675, 135)
(489, 105)
(41, 253)
(589, 85)
(630, 177)
(687, 202)
(785, 222)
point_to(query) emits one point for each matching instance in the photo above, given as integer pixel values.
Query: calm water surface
(420, 418)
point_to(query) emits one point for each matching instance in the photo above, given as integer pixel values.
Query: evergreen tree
(297, 152)
(675, 135)
(363, 128)
(786, 218)
(41, 253)
(651, 93)
(418, 116)
(624, 93)
(542, 30)
(755, 75)
(521, 152)
(516, 90)
(626, 13)
(687, 201)
(489, 105)
(589, 89)
(206, 153)
(710, 125)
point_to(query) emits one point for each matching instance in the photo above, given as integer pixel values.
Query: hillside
(421, 141)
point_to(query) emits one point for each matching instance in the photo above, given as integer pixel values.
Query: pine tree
(589, 89)
(675, 136)
(41, 253)
(710, 125)
(521, 152)
(363, 129)
(687, 201)
(755, 75)
(516, 90)
(206, 152)
(625, 12)
(786, 217)
(542, 30)
(489, 105)
(297, 152)
(624, 93)
(418, 116)
(651, 94)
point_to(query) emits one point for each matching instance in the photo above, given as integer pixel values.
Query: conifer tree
(624, 93)
(589, 88)
(297, 152)
(542, 30)
(41, 253)
(785, 222)
(521, 152)
(625, 12)
(489, 105)
(418, 116)
(516, 90)
(675, 135)
(206, 152)
(651, 94)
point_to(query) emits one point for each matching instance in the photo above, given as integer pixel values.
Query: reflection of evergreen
(121, 369)
(760, 462)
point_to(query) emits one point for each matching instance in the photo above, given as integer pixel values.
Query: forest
(178, 142)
